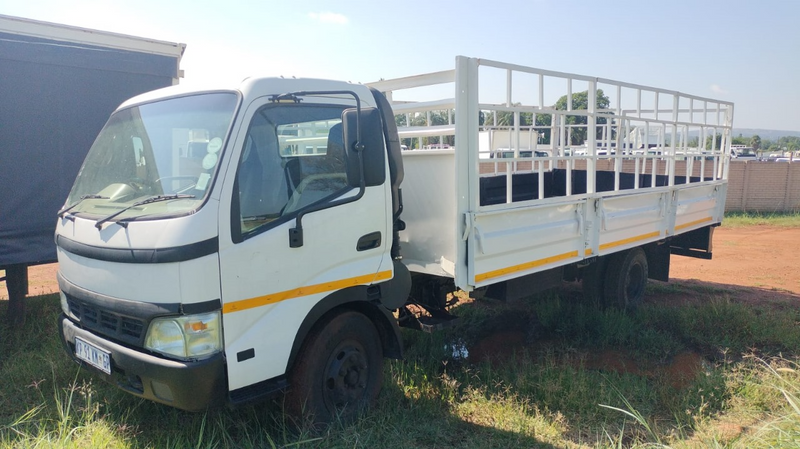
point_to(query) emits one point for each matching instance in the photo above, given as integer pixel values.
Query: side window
(293, 157)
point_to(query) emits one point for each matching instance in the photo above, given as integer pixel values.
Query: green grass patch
(554, 372)
(777, 219)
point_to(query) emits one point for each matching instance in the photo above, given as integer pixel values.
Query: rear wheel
(626, 278)
(338, 372)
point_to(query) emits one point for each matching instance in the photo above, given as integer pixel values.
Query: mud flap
(696, 243)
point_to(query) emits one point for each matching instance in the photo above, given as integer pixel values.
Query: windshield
(169, 147)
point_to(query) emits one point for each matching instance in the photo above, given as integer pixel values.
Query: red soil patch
(684, 369)
(497, 348)
(41, 280)
(679, 372)
(754, 264)
(613, 361)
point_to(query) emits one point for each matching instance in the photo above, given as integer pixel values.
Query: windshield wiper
(152, 199)
(63, 211)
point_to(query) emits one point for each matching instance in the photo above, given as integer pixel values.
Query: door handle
(369, 241)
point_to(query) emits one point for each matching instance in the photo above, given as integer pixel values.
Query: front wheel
(339, 370)
(626, 278)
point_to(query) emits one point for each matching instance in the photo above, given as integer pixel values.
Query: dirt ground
(41, 281)
(756, 263)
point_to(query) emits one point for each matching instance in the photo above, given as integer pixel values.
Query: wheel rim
(634, 283)
(346, 377)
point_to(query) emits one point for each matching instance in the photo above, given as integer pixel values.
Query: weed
(778, 219)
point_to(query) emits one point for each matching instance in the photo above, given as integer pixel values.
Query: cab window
(293, 157)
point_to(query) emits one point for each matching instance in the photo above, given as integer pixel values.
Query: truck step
(435, 321)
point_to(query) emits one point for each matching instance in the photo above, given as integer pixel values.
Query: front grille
(107, 323)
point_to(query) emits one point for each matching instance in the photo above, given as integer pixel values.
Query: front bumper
(191, 385)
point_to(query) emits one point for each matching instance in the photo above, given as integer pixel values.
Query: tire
(338, 372)
(625, 280)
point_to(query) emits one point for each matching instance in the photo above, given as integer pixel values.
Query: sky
(747, 52)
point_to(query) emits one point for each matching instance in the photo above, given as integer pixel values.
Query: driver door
(292, 159)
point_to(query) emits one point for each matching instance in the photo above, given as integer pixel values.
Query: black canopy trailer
(58, 85)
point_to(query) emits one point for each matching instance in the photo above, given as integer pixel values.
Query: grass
(548, 372)
(777, 219)
(545, 390)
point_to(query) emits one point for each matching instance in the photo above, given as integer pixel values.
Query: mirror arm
(296, 233)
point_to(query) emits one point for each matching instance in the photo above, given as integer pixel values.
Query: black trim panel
(202, 307)
(120, 320)
(131, 255)
(245, 355)
(137, 309)
(257, 392)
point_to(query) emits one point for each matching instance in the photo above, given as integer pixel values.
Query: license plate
(93, 355)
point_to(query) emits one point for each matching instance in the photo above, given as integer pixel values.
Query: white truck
(220, 246)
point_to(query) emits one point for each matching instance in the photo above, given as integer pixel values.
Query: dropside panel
(628, 221)
(505, 244)
(698, 207)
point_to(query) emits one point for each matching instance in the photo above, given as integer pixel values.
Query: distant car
(743, 152)
(504, 153)
(783, 159)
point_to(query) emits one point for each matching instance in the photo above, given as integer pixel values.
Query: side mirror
(372, 143)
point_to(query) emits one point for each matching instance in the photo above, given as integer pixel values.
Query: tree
(716, 144)
(421, 119)
(506, 118)
(755, 142)
(789, 143)
(739, 140)
(580, 101)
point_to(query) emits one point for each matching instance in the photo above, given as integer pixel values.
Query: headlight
(185, 336)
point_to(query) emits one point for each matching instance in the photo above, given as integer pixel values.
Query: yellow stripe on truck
(557, 258)
(524, 266)
(692, 223)
(245, 304)
(630, 240)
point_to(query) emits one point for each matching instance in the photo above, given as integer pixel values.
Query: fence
(763, 186)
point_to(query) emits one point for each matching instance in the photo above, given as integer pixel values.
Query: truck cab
(211, 237)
